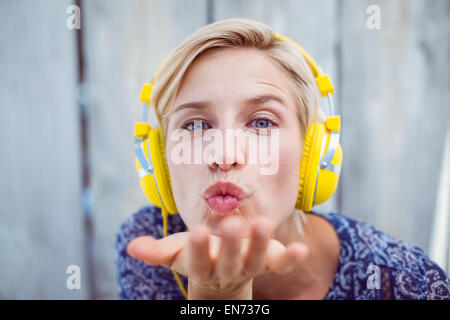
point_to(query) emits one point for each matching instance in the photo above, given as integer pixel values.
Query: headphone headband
(323, 81)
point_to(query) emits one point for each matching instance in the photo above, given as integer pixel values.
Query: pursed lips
(224, 196)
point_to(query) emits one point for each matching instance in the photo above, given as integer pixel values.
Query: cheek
(186, 181)
(287, 179)
(280, 190)
(180, 178)
(183, 185)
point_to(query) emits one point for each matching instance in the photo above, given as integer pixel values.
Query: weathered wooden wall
(392, 90)
(395, 87)
(41, 230)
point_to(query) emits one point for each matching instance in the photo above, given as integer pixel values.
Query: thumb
(157, 252)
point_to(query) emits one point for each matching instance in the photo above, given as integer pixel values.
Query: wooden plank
(41, 231)
(395, 109)
(125, 43)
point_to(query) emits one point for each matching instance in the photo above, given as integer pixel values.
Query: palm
(220, 261)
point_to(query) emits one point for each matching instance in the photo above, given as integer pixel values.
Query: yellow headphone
(320, 164)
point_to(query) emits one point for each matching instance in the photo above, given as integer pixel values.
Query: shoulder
(137, 280)
(403, 271)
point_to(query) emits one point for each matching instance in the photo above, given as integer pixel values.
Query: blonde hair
(237, 33)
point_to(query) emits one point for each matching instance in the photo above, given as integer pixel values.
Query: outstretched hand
(221, 267)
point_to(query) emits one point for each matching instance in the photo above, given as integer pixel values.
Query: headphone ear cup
(309, 165)
(328, 180)
(161, 169)
(147, 182)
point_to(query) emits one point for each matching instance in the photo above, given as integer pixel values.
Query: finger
(157, 252)
(229, 261)
(199, 262)
(285, 261)
(259, 239)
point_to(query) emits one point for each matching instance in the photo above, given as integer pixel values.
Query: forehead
(241, 71)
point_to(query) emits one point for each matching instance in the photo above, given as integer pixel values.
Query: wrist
(197, 291)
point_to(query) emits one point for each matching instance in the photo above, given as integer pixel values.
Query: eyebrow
(258, 99)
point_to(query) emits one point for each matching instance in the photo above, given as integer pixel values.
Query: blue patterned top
(372, 264)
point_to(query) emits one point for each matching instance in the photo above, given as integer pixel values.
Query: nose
(229, 154)
(222, 166)
(225, 162)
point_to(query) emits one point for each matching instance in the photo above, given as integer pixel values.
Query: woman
(234, 75)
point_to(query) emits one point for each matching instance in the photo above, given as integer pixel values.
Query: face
(241, 92)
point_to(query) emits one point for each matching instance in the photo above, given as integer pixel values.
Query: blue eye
(194, 125)
(263, 123)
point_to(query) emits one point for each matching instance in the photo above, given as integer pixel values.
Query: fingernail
(130, 251)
